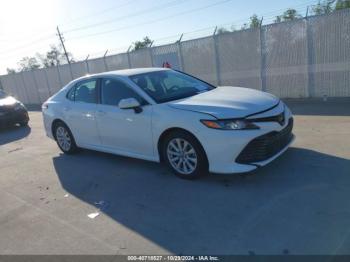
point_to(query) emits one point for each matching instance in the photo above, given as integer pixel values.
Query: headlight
(238, 124)
(19, 106)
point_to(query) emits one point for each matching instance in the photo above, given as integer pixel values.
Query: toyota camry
(164, 115)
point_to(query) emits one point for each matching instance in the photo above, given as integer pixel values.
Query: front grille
(266, 146)
(277, 118)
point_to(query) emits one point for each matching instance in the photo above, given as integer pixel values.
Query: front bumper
(266, 146)
(224, 147)
(13, 117)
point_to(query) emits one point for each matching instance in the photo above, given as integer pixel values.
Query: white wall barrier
(307, 57)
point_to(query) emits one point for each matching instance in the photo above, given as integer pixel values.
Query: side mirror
(130, 103)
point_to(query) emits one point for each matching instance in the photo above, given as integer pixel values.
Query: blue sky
(93, 26)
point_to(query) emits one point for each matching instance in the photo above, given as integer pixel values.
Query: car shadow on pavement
(10, 134)
(296, 204)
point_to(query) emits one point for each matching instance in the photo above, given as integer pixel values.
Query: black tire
(72, 146)
(201, 167)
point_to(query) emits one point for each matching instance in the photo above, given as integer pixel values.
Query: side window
(86, 91)
(115, 90)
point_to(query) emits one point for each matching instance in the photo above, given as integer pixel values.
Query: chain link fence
(308, 57)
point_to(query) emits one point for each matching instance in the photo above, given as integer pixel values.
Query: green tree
(28, 63)
(10, 70)
(278, 19)
(324, 7)
(288, 15)
(254, 21)
(244, 26)
(222, 30)
(145, 42)
(342, 4)
(54, 57)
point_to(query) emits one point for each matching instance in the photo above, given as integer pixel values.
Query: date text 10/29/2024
(173, 258)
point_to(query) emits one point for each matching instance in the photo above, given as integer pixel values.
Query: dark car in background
(12, 111)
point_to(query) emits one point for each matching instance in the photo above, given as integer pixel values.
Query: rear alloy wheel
(64, 139)
(184, 155)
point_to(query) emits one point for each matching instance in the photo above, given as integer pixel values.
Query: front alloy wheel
(185, 155)
(182, 156)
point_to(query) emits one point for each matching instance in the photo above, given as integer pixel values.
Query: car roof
(129, 72)
(136, 71)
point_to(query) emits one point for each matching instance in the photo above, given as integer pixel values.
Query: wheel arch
(168, 131)
(54, 123)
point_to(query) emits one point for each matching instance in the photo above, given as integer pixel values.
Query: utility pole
(64, 48)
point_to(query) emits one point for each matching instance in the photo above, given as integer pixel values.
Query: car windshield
(3, 94)
(168, 85)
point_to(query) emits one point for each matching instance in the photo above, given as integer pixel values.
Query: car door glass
(85, 92)
(114, 90)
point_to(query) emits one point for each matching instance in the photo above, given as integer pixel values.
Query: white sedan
(163, 115)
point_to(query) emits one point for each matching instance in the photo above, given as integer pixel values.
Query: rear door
(80, 113)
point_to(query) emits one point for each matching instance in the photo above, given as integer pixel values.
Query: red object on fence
(166, 65)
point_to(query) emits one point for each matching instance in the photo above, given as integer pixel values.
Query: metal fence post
(151, 53)
(262, 58)
(217, 58)
(47, 82)
(25, 88)
(104, 60)
(182, 65)
(310, 61)
(15, 86)
(36, 86)
(87, 64)
(59, 75)
(70, 70)
(128, 55)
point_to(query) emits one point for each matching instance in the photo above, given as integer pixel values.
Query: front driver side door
(123, 130)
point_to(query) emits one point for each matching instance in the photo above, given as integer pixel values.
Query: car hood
(227, 102)
(8, 101)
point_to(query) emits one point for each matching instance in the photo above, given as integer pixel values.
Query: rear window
(84, 91)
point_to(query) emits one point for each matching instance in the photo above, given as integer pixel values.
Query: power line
(51, 36)
(109, 21)
(103, 11)
(28, 44)
(212, 27)
(154, 21)
(24, 52)
(268, 15)
(76, 18)
(172, 16)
